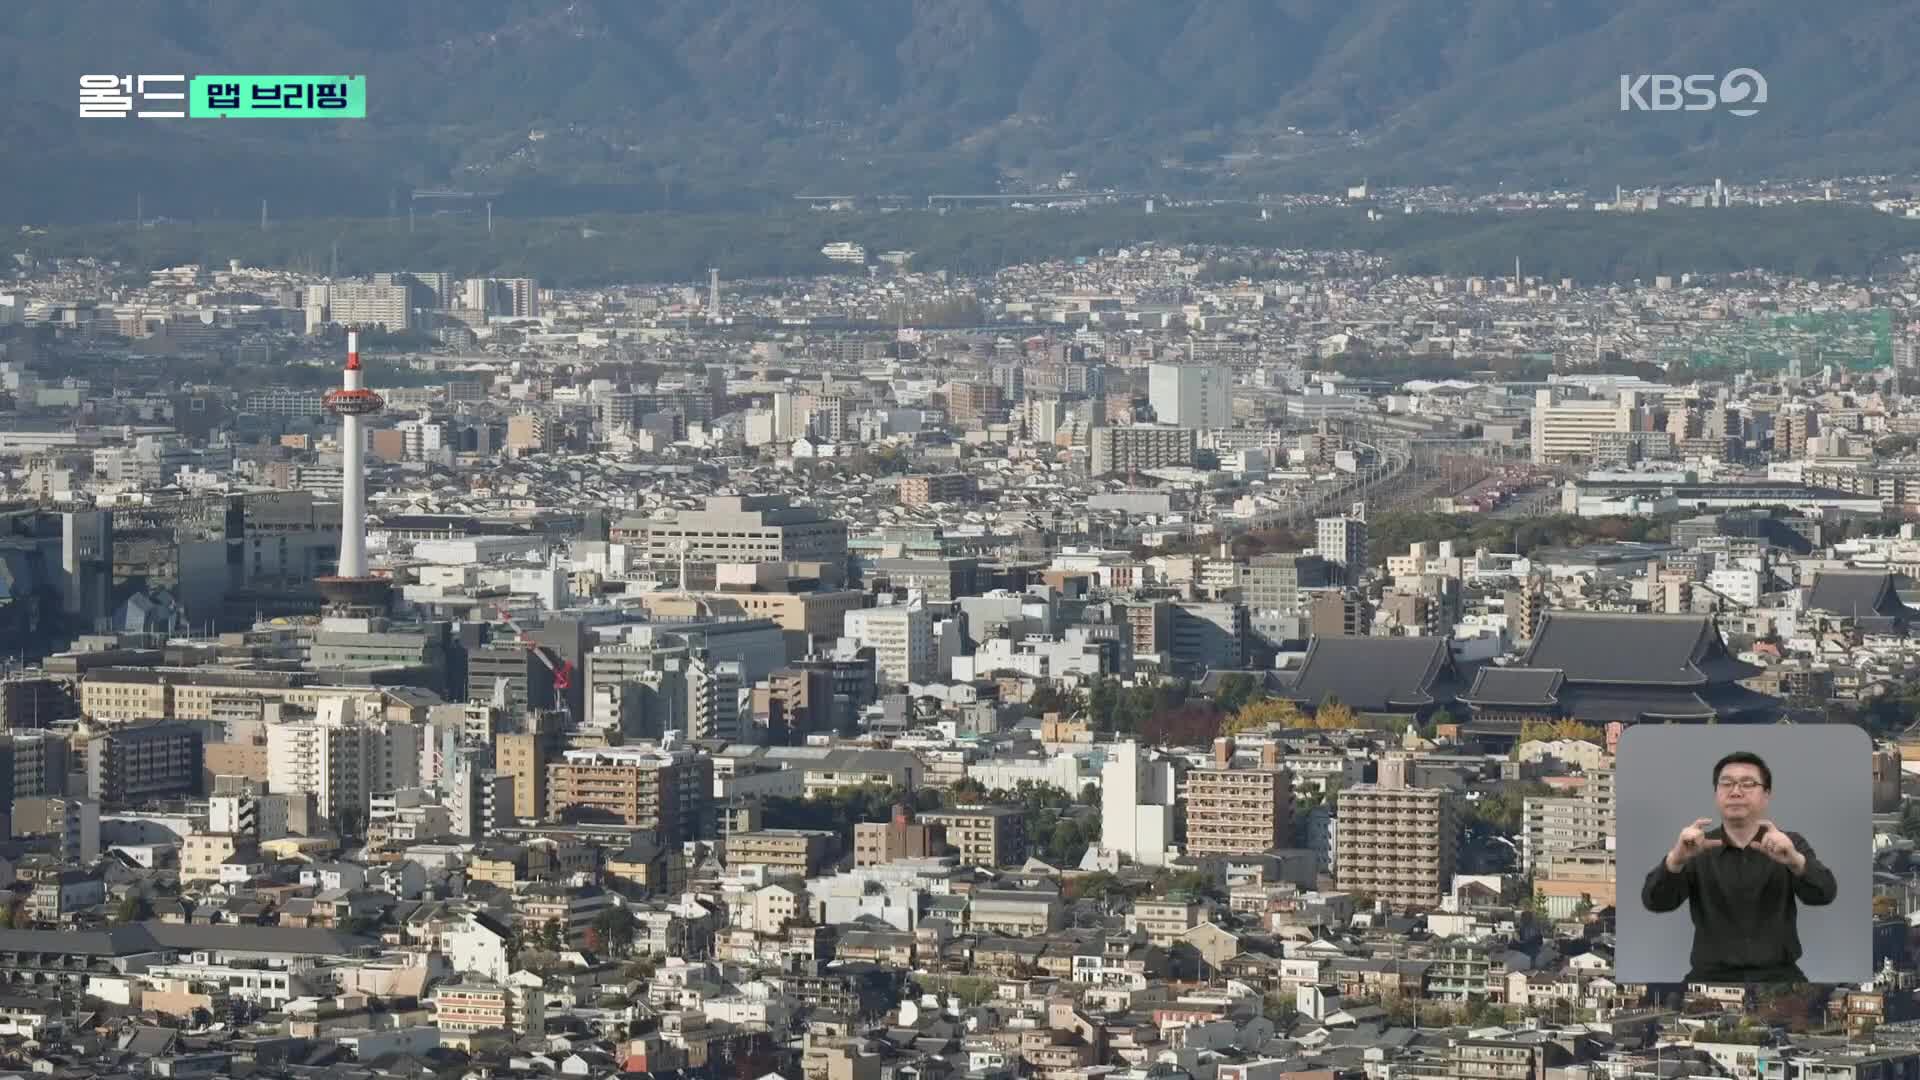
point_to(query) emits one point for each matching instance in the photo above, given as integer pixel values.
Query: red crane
(561, 667)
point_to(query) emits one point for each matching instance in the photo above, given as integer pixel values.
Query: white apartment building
(1191, 395)
(325, 757)
(1137, 795)
(357, 304)
(901, 638)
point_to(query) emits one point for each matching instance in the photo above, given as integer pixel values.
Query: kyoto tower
(351, 591)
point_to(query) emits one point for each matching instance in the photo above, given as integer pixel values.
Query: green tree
(1280, 1009)
(616, 929)
(1052, 699)
(1910, 820)
(132, 908)
(1502, 809)
(1236, 691)
(1195, 883)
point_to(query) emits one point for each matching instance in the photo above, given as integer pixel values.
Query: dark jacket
(1744, 908)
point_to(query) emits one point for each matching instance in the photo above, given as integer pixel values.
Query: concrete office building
(1565, 431)
(746, 528)
(1191, 395)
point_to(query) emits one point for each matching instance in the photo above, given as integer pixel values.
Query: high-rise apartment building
(1238, 810)
(1396, 843)
(1342, 542)
(522, 296)
(1274, 583)
(1139, 447)
(141, 761)
(357, 304)
(975, 404)
(1553, 827)
(901, 639)
(668, 791)
(325, 757)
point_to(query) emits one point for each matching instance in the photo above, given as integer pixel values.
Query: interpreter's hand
(1775, 844)
(1692, 843)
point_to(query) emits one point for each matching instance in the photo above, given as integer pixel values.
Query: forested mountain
(635, 104)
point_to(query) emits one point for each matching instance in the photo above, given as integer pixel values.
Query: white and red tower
(352, 591)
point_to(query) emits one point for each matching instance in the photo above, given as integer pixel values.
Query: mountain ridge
(670, 103)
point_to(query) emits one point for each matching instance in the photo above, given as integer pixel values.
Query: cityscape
(1174, 655)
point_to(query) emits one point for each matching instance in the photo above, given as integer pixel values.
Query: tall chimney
(1223, 752)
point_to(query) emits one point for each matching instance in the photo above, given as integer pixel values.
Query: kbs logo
(1738, 91)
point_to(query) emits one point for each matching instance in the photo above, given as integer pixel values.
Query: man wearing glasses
(1741, 881)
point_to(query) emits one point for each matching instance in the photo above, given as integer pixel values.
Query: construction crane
(561, 667)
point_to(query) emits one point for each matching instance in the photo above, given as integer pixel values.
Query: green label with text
(341, 97)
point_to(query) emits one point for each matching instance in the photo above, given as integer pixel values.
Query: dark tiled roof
(1856, 594)
(158, 936)
(1646, 650)
(1516, 686)
(1377, 674)
(1631, 705)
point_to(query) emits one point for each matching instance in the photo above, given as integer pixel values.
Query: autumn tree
(1193, 723)
(1551, 731)
(1332, 715)
(1261, 715)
